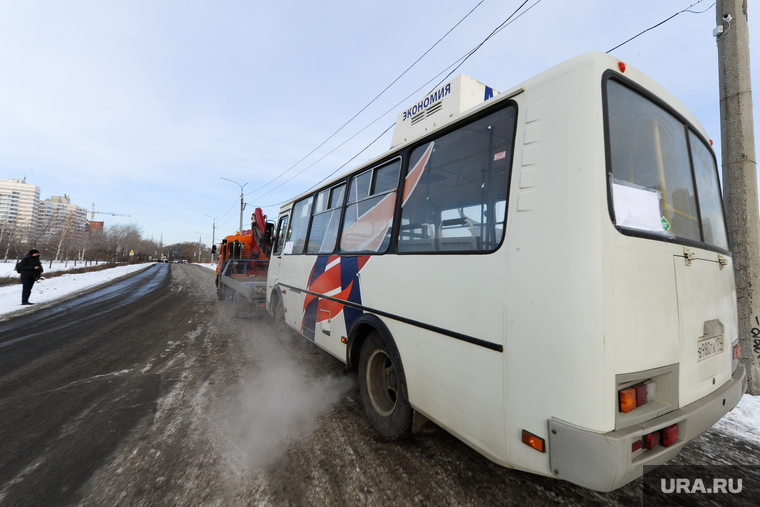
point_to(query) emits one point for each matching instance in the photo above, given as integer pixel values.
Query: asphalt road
(149, 392)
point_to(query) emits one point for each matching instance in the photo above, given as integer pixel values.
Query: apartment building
(57, 215)
(19, 205)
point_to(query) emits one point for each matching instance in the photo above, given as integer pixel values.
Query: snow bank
(50, 289)
(6, 268)
(743, 422)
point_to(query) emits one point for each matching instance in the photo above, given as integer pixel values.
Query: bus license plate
(709, 347)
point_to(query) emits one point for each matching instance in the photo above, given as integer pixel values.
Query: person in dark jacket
(30, 268)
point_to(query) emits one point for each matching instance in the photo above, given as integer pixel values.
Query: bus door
(292, 264)
(275, 262)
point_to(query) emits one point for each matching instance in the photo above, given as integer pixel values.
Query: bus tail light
(533, 441)
(638, 444)
(651, 390)
(641, 394)
(652, 440)
(637, 395)
(670, 435)
(627, 400)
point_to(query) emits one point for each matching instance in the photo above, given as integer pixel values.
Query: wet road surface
(149, 392)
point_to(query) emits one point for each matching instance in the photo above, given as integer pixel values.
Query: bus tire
(381, 390)
(281, 329)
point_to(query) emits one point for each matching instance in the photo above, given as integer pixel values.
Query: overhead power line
(663, 22)
(370, 102)
(456, 64)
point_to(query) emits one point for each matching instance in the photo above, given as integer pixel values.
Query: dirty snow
(742, 422)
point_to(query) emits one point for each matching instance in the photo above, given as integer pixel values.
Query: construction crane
(105, 213)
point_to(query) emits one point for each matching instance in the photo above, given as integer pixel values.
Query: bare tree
(9, 235)
(119, 237)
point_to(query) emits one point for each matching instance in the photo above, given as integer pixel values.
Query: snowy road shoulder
(52, 291)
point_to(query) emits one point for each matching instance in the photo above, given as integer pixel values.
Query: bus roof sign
(439, 106)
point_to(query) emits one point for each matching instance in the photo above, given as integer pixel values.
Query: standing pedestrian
(30, 268)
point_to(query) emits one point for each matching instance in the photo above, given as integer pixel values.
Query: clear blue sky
(141, 106)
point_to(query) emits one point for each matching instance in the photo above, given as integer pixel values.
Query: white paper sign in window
(637, 208)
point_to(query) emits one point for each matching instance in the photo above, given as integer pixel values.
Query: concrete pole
(240, 231)
(739, 166)
(213, 234)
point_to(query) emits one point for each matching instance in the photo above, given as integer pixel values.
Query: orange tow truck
(241, 271)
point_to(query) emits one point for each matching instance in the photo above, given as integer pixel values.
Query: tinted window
(653, 186)
(369, 211)
(297, 235)
(708, 190)
(324, 225)
(280, 239)
(456, 187)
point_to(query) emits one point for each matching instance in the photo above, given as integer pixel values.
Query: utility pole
(739, 165)
(240, 231)
(213, 234)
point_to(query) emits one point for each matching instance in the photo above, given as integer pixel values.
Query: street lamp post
(240, 231)
(213, 233)
(198, 252)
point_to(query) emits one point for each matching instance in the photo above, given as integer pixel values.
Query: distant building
(96, 226)
(19, 205)
(58, 215)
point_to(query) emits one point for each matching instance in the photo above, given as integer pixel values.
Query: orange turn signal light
(533, 441)
(343, 339)
(627, 400)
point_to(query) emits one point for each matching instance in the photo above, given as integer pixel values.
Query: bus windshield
(664, 177)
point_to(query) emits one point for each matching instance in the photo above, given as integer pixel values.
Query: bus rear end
(670, 320)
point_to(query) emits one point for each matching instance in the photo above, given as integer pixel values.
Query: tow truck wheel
(241, 305)
(381, 390)
(219, 290)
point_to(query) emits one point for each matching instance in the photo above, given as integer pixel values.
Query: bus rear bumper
(604, 461)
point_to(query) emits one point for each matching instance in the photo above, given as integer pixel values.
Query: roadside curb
(69, 297)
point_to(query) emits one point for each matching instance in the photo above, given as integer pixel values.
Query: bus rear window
(654, 159)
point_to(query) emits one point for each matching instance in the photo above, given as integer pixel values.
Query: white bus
(545, 275)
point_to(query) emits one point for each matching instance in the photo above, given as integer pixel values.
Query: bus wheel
(281, 329)
(381, 391)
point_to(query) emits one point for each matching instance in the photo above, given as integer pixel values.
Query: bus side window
(455, 188)
(370, 208)
(296, 240)
(324, 225)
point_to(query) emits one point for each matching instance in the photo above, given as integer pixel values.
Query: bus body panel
(467, 402)
(696, 310)
(646, 312)
(554, 282)
(580, 306)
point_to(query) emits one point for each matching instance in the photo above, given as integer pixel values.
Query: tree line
(117, 243)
